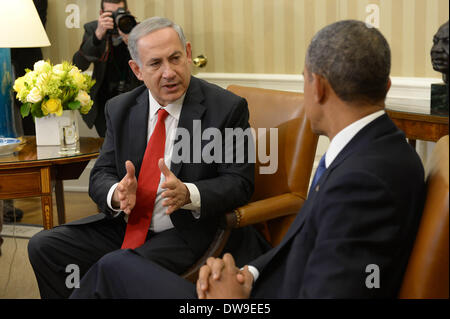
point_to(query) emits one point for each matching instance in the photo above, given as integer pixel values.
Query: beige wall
(268, 36)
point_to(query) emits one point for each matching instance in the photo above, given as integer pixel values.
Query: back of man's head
(355, 59)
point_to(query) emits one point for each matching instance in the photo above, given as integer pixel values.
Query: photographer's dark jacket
(110, 67)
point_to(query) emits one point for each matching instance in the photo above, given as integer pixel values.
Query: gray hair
(355, 59)
(148, 26)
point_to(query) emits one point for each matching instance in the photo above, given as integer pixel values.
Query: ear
(319, 86)
(136, 69)
(389, 84)
(189, 52)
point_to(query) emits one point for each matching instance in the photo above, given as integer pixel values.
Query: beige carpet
(17, 280)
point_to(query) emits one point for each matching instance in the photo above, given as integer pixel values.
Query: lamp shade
(20, 25)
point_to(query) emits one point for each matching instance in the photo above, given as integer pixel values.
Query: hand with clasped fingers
(221, 279)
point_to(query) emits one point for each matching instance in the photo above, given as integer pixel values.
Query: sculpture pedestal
(439, 99)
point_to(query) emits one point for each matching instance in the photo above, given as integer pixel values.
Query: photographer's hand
(124, 36)
(105, 23)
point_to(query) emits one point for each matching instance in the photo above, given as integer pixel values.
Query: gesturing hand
(125, 193)
(221, 279)
(176, 194)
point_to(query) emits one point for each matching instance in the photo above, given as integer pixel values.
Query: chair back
(427, 275)
(288, 171)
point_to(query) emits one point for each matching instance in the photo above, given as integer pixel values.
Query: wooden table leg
(47, 211)
(46, 198)
(60, 205)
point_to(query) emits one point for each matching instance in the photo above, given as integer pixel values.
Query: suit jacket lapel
(137, 128)
(193, 109)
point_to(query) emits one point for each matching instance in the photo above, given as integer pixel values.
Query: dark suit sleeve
(234, 185)
(91, 48)
(104, 173)
(358, 224)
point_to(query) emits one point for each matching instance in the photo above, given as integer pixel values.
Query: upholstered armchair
(278, 196)
(427, 271)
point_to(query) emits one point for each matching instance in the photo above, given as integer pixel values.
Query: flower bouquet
(52, 95)
(51, 89)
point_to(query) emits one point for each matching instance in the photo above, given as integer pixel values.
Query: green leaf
(74, 105)
(25, 109)
(36, 110)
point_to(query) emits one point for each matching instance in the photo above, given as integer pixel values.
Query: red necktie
(148, 182)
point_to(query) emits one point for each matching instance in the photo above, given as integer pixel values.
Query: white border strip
(406, 94)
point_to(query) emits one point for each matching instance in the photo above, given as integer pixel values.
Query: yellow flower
(52, 106)
(19, 85)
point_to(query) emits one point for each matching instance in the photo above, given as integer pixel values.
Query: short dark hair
(114, 1)
(354, 57)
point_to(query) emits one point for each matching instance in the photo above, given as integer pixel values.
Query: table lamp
(20, 27)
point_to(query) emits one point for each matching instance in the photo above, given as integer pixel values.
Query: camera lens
(126, 23)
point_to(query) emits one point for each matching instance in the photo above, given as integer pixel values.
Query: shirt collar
(341, 139)
(174, 108)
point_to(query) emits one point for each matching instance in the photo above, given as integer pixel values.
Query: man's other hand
(176, 194)
(125, 193)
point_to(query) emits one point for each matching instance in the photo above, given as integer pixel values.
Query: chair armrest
(253, 213)
(264, 210)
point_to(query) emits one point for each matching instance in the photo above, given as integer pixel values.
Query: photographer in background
(105, 44)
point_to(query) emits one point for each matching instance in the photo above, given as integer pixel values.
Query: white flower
(42, 66)
(58, 70)
(34, 96)
(83, 97)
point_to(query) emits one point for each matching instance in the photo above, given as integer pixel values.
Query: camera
(123, 21)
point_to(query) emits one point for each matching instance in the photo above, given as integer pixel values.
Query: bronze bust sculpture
(440, 59)
(439, 51)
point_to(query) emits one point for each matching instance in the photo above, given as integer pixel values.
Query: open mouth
(171, 87)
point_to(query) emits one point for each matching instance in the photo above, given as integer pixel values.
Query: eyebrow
(175, 53)
(159, 59)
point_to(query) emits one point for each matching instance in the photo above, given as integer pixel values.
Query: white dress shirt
(337, 144)
(160, 220)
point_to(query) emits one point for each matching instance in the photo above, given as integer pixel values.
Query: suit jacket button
(317, 188)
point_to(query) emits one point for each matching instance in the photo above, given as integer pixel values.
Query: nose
(168, 72)
(438, 46)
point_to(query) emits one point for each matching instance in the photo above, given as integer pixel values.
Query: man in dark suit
(109, 54)
(353, 236)
(193, 194)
